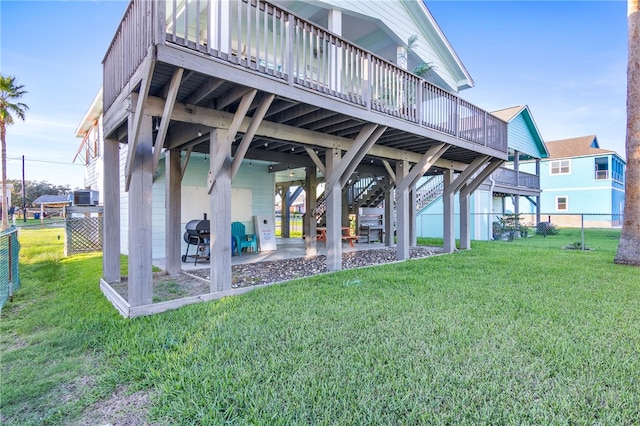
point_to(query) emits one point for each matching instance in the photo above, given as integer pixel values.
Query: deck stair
(429, 192)
(367, 192)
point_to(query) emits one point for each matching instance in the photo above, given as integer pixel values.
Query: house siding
(520, 137)
(400, 22)
(585, 193)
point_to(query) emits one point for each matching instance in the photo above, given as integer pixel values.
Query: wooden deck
(245, 79)
(323, 83)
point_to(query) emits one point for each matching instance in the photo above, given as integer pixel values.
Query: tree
(629, 246)
(10, 92)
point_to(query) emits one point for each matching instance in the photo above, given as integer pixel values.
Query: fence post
(10, 255)
(582, 227)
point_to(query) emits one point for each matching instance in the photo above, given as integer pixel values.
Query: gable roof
(511, 113)
(576, 147)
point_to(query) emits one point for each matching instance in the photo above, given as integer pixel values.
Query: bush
(546, 228)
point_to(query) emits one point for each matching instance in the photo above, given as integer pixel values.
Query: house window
(562, 203)
(561, 167)
(602, 168)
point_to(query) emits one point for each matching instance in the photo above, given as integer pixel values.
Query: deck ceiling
(225, 95)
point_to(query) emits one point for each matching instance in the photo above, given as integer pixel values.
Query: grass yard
(519, 332)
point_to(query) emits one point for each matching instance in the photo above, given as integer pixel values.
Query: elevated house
(210, 105)
(579, 177)
(509, 189)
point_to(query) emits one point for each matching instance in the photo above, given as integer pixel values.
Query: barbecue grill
(197, 234)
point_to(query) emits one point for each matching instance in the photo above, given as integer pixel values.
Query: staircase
(429, 192)
(366, 192)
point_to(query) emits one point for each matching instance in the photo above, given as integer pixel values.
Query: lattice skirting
(83, 235)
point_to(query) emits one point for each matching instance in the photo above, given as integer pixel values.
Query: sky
(566, 60)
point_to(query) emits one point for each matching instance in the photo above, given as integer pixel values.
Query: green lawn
(519, 332)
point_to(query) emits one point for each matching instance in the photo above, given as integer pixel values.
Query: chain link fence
(487, 226)
(9, 273)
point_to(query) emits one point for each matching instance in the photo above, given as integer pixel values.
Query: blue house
(580, 177)
(510, 189)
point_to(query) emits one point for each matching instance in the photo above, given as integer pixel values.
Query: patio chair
(242, 239)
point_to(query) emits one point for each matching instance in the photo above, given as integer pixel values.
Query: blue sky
(566, 60)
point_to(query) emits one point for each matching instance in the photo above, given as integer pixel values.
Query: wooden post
(449, 233)
(173, 203)
(402, 210)
(285, 215)
(465, 219)
(388, 216)
(220, 221)
(413, 233)
(333, 214)
(309, 225)
(111, 216)
(140, 196)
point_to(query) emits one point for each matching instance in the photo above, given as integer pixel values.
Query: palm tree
(629, 246)
(10, 92)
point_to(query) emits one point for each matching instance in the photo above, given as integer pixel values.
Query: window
(561, 167)
(562, 203)
(602, 168)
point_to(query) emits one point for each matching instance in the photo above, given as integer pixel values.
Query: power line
(45, 161)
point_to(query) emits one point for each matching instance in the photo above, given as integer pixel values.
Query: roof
(576, 147)
(509, 114)
(52, 199)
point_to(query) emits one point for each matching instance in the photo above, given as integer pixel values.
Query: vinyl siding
(399, 21)
(195, 201)
(521, 137)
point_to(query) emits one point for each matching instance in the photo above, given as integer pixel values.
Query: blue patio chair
(242, 239)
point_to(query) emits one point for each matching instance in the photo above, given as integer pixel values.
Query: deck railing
(509, 177)
(267, 39)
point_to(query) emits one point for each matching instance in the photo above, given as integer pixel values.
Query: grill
(197, 234)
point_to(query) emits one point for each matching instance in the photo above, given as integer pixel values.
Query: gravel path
(284, 270)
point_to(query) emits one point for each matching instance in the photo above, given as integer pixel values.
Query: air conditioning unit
(85, 197)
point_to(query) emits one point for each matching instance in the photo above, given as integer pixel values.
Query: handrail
(270, 40)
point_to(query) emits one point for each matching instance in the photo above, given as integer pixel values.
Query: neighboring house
(580, 177)
(510, 189)
(210, 106)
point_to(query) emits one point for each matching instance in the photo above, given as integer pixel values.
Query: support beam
(359, 143)
(140, 284)
(166, 117)
(203, 91)
(402, 212)
(111, 215)
(413, 232)
(449, 234)
(466, 174)
(173, 205)
(210, 118)
(257, 118)
(389, 203)
(231, 97)
(333, 199)
(316, 160)
(183, 167)
(309, 222)
(134, 127)
(465, 201)
(220, 221)
(223, 146)
(427, 160)
(285, 214)
(392, 174)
